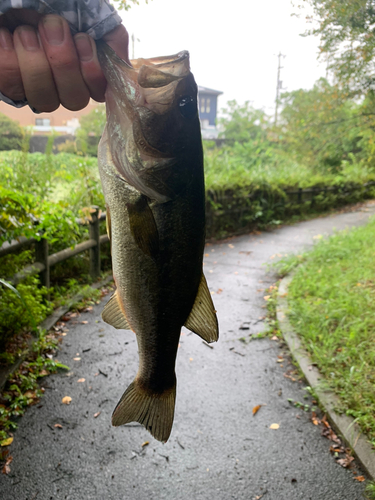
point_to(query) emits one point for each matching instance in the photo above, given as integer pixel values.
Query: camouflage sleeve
(95, 17)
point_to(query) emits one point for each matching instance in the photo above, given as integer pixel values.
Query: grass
(332, 307)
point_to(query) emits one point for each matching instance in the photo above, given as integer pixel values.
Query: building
(207, 107)
(62, 121)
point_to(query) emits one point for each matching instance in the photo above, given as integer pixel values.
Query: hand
(43, 63)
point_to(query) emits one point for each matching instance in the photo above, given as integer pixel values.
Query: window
(202, 105)
(208, 105)
(42, 122)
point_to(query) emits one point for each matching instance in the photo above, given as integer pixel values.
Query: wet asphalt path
(217, 449)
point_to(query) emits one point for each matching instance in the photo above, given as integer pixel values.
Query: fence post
(41, 255)
(95, 251)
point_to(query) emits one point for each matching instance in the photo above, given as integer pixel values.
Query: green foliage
(126, 4)
(11, 134)
(243, 123)
(43, 194)
(22, 389)
(346, 32)
(332, 308)
(321, 127)
(90, 131)
(370, 490)
(21, 307)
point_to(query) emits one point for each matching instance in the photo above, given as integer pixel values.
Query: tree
(242, 123)
(11, 134)
(126, 4)
(347, 39)
(322, 127)
(90, 130)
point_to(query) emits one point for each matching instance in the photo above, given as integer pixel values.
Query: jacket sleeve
(95, 17)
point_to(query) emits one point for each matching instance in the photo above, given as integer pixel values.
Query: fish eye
(188, 107)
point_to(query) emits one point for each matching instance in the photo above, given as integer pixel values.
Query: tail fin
(154, 411)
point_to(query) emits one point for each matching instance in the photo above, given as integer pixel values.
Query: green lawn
(332, 307)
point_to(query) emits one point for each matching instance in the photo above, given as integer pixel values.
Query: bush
(11, 134)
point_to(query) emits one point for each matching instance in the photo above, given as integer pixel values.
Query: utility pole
(279, 84)
(133, 39)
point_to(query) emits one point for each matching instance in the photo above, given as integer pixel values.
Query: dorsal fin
(113, 315)
(202, 319)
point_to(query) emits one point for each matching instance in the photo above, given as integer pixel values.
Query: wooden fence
(44, 261)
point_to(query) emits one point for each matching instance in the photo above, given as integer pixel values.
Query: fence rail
(44, 261)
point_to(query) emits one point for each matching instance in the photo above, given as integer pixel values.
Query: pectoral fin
(202, 319)
(113, 315)
(143, 227)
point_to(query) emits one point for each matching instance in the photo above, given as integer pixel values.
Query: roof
(205, 90)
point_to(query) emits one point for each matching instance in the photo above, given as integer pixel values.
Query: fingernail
(6, 40)
(53, 29)
(84, 47)
(29, 38)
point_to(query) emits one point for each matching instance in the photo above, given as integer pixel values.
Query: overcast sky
(233, 44)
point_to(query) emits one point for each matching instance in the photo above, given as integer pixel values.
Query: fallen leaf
(59, 426)
(97, 414)
(30, 394)
(6, 442)
(360, 479)
(230, 245)
(256, 409)
(266, 297)
(84, 322)
(6, 468)
(315, 421)
(345, 462)
(66, 400)
(146, 443)
(81, 380)
(274, 426)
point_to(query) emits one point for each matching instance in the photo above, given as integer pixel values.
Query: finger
(36, 75)
(10, 76)
(118, 39)
(62, 56)
(90, 67)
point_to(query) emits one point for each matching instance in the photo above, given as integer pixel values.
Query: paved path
(217, 450)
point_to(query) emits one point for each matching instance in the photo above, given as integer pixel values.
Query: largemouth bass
(151, 169)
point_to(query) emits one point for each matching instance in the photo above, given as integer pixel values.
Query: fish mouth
(149, 83)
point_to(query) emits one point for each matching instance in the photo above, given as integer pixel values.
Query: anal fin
(113, 315)
(202, 319)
